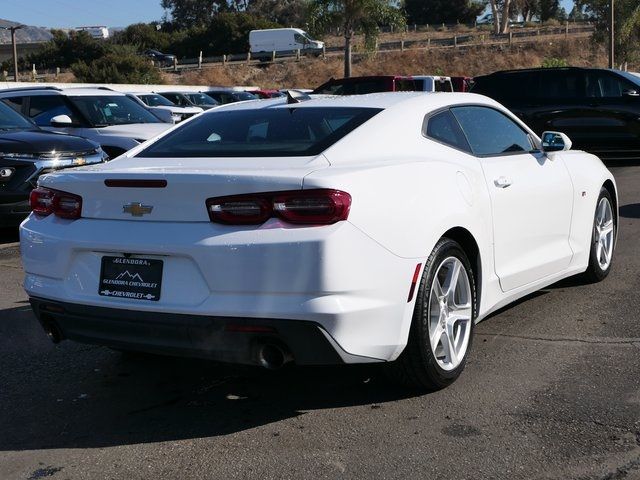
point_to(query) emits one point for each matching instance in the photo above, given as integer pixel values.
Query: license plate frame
(131, 278)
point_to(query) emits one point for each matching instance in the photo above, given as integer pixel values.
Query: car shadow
(631, 210)
(9, 235)
(81, 396)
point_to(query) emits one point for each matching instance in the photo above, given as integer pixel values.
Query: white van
(283, 40)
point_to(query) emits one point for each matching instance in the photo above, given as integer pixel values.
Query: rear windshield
(201, 99)
(156, 100)
(278, 132)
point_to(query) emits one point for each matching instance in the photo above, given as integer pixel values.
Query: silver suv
(111, 119)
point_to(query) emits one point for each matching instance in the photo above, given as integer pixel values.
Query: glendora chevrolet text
(319, 230)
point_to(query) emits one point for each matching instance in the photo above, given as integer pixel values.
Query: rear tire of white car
(443, 322)
(603, 239)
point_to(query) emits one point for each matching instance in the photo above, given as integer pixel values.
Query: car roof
(427, 101)
(75, 91)
(545, 69)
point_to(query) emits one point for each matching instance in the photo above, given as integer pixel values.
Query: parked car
(267, 93)
(364, 85)
(362, 229)
(224, 96)
(26, 152)
(599, 109)
(431, 83)
(190, 99)
(461, 84)
(159, 58)
(283, 41)
(155, 101)
(111, 119)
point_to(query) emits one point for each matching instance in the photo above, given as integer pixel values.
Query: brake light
(239, 210)
(307, 207)
(41, 201)
(45, 201)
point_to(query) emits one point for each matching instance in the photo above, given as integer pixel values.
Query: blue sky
(75, 13)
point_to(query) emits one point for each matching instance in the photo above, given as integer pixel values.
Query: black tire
(595, 273)
(417, 366)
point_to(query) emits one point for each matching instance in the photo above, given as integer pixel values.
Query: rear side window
(443, 86)
(605, 85)
(490, 132)
(444, 128)
(14, 102)
(43, 108)
(561, 84)
(277, 132)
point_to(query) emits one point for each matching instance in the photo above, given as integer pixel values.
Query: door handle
(502, 182)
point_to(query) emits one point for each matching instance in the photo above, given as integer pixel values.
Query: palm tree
(352, 16)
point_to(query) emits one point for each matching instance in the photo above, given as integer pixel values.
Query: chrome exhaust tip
(272, 356)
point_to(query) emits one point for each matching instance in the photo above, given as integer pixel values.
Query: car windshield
(201, 99)
(245, 96)
(156, 101)
(278, 132)
(105, 110)
(12, 120)
(632, 77)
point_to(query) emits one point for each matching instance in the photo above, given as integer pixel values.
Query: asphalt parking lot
(551, 390)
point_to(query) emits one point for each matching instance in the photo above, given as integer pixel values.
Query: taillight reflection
(45, 201)
(307, 207)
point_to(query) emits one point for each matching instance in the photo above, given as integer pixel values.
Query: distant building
(99, 32)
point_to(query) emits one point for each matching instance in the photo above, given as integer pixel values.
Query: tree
(65, 49)
(549, 9)
(143, 35)
(352, 16)
(501, 10)
(120, 65)
(193, 13)
(627, 32)
(526, 8)
(423, 12)
(289, 13)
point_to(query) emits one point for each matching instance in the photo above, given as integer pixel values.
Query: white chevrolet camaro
(375, 228)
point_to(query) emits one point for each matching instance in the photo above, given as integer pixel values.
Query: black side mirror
(631, 93)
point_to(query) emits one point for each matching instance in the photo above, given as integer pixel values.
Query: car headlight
(6, 173)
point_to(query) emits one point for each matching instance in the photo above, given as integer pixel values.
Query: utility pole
(15, 50)
(612, 38)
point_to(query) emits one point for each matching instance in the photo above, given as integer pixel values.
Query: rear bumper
(225, 339)
(335, 277)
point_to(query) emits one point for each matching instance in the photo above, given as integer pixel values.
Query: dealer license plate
(136, 278)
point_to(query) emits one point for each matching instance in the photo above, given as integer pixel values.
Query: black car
(230, 96)
(162, 59)
(26, 152)
(190, 99)
(598, 109)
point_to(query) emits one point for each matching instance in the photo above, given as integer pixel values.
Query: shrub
(121, 65)
(552, 62)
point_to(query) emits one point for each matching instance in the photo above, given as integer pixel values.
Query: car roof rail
(27, 89)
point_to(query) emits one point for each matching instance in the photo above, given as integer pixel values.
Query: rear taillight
(45, 201)
(307, 207)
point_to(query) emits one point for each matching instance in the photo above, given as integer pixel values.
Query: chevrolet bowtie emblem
(136, 209)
